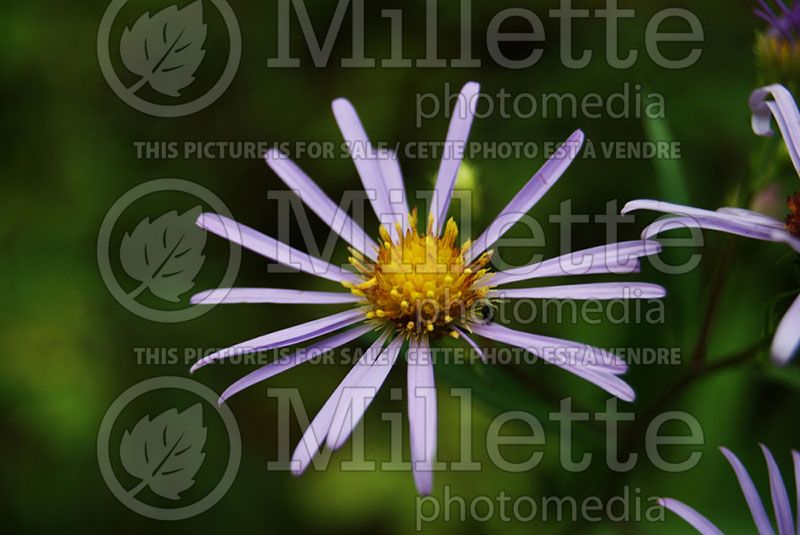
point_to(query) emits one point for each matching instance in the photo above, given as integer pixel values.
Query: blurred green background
(69, 345)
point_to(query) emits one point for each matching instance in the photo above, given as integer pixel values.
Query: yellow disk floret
(420, 283)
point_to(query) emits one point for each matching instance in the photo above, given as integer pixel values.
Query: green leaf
(671, 178)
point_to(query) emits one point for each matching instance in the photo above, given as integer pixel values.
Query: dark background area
(69, 346)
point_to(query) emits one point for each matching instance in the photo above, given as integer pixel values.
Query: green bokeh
(69, 346)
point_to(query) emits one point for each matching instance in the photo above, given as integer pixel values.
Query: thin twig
(717, 286)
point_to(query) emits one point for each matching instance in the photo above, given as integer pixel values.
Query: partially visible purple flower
(780, 499)
(413, 287)
(765, 103)
(784, 20)
(778, 47)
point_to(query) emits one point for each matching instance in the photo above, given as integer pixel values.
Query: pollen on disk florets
(421, 283)
(793, 219)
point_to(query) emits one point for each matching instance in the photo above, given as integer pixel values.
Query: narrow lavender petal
(472, 343)
(739, 217)
(286, 337)
(393, 178)
(579, 355)
(766, 12)
(786, 237)
(780, 498)
(322, 205)
(754, 217)
(370, 381)
(617, 258)
(695, 519)
(787, 335)
(600, 359)
(767, 8)
(757, 510)
(667, 208)
(421, 414)
(271, 248)
(530, 194)
(314, 435)
(608, 382)
(600, 367)
(354, 379)
(796, 462)
(457, 134)
(299, 357)
(363, 155)
(219, 296)
(732, 226)
(784, 109)
(600, 290)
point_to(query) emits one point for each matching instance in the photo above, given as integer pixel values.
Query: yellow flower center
(420, 283)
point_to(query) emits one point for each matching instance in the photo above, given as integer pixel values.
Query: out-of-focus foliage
(69, 346)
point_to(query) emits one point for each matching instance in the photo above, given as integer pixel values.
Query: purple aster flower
(416, 287)
(780, 499)
(766, 102)
(783, 21)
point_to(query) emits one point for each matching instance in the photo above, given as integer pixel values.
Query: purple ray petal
(786, 237)
(734, 221)
(392, 175)
(723, 214)
(578, 355)
(364, 156)
(584, 364)
(286, 337)
(472, 343)
(315, 433)
(599, 290)
(457, 134)
(271, 295)
(787, 335)
(796, 462)
(298, 357)
(697, 521)
(355, 380)
(734, 226)
(785, 112)
(421, 413)
(322, 205)
(530, 194)
(754, 217)
(368, 382)
(271, 248)
(780, 498)
(618, 258)
(750, 493)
